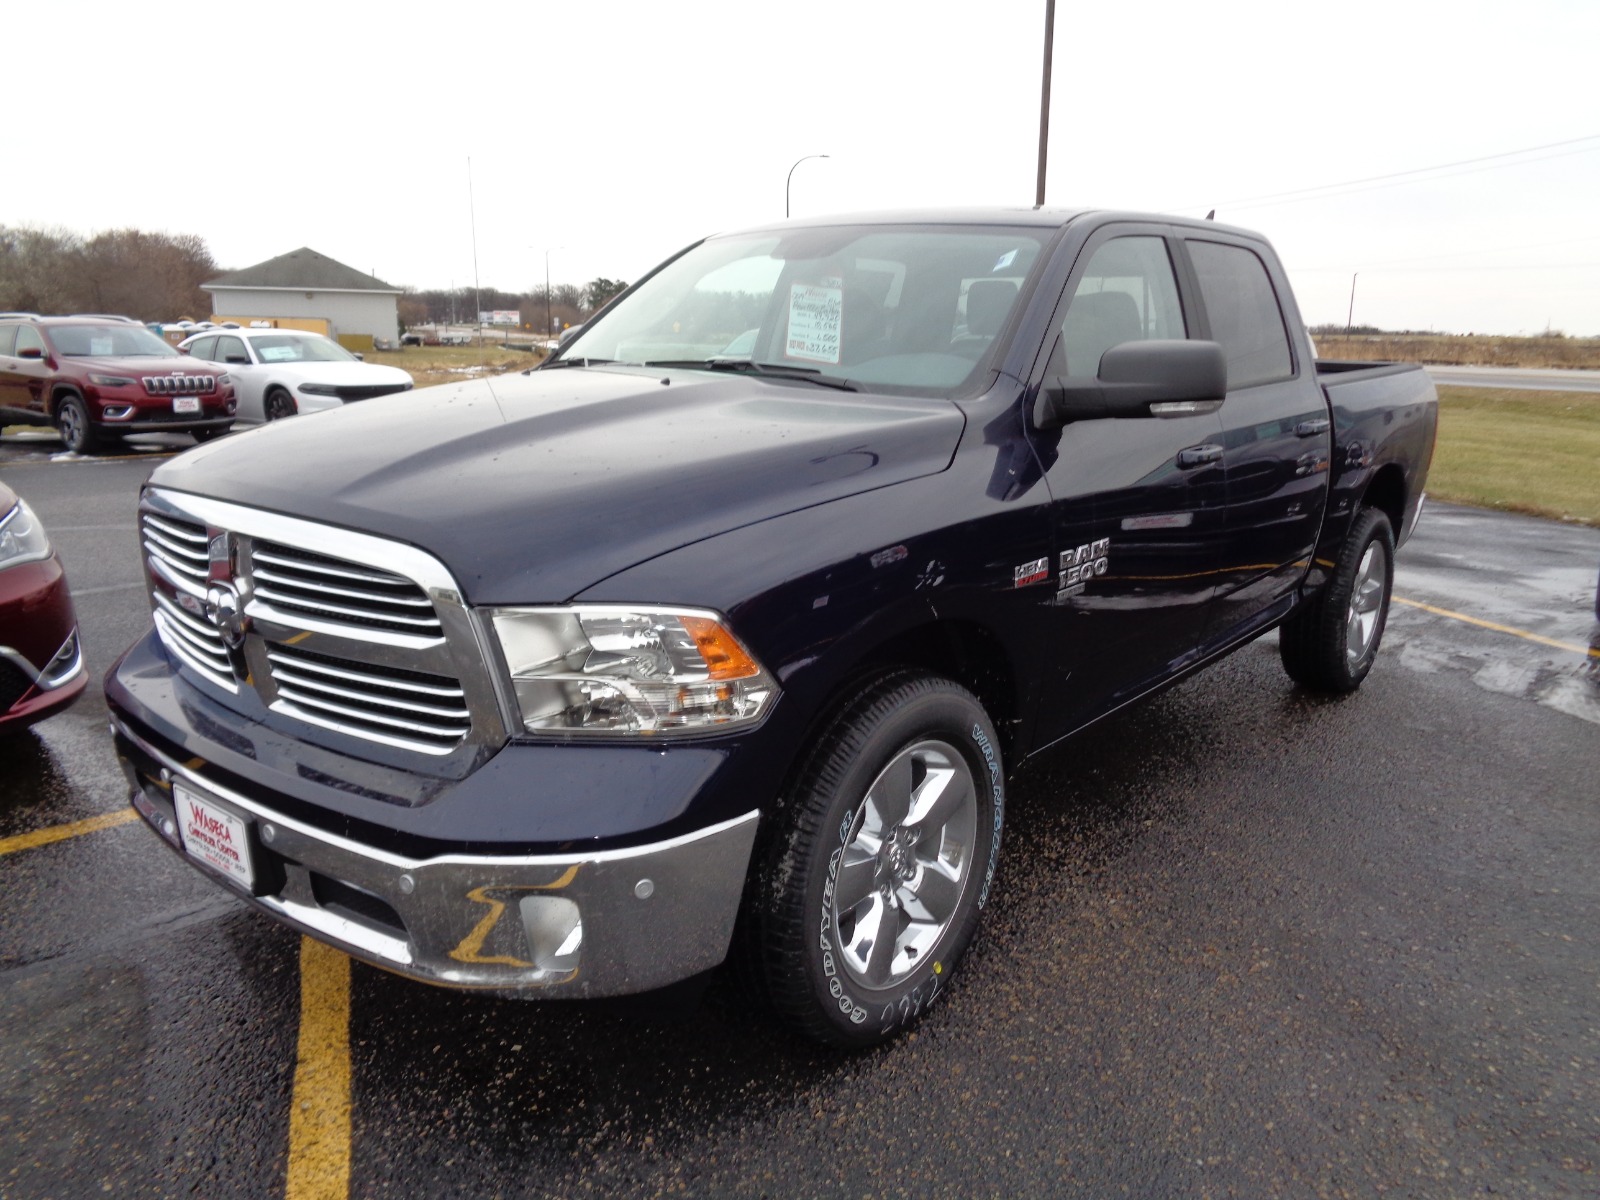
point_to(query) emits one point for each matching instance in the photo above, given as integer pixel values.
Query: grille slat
(334, 568)
(352, 673)
(340, 591)
(179, 384)
(324, 589)
(191, 647)
(384, 699)
(183, 549)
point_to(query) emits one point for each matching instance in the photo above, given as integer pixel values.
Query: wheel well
(1387, 493)
(963, 652)
(61, 392)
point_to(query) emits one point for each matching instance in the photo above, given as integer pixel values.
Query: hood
(140, 365)
(531, 488)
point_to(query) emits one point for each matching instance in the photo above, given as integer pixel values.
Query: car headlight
(110, 380)
(610, 669)
(22, 537)
(317, 389)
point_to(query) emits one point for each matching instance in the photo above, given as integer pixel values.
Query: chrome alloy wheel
(1366, 604)
(906, 862)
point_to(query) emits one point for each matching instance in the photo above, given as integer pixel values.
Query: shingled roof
(302, 270)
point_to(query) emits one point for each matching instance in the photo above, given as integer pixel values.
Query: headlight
(317, 389)
(223, 381)
(22, 538)
(611, 669)
(110, 381)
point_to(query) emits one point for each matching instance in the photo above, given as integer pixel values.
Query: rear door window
(229, 348)
(1243, 310)
(8, 339)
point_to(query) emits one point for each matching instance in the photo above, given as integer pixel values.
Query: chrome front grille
(366, 699)
(180, 548)
(331, 589)
(179, 384)
(360, 638)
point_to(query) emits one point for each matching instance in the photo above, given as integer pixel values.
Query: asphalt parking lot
(1245, 943)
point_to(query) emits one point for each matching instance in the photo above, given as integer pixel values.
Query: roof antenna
(1212, 215)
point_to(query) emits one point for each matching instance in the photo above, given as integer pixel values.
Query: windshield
(284, 347)
(912, 309)
(108, 341)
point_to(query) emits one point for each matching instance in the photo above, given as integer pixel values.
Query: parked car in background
(280, 372)
(41, 663)
(97, 379)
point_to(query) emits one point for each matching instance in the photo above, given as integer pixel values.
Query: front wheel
(280, 404)
(72, 423)
(1330, 643)
(205, 435)
(873, 887)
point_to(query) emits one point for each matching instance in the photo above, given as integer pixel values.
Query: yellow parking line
(60, 833)
(319, 1112)
(1590, 651)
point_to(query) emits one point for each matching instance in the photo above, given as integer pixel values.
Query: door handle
(1199, 456)
(1312, 428)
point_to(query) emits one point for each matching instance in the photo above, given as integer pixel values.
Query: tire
(848, 862)
(72, 423)
(203, 436)
(1329, 645)
(279, 404)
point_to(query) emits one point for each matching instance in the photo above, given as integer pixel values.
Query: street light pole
(547, 322)
(790, 177)
(1044, 97)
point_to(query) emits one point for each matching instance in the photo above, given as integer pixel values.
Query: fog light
(555, 932)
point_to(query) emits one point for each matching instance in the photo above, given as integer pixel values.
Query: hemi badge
(1036, 571)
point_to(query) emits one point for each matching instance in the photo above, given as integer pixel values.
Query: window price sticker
(815, 316)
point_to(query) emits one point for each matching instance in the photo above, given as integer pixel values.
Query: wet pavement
(1244, 942)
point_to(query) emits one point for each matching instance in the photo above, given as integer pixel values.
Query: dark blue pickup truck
(721, 630)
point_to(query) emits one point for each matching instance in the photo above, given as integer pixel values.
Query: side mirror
(237, 360)
(30, 352)
(1133, 377)
(568, 334)
(360, 357)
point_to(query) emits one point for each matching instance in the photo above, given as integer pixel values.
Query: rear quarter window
(1242, 308)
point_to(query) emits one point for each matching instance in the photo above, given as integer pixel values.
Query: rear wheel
(280, 404)
(872, 890)
(72, 423)
(1330, 644)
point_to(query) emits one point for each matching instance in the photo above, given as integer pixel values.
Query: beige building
(305, 285)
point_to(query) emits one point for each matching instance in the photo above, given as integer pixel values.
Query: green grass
(1531, 452)
(431, 365)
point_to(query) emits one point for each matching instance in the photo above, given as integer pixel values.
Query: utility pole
(1349, 317)
(1044, 97)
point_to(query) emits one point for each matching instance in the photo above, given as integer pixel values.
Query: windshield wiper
(748, 366)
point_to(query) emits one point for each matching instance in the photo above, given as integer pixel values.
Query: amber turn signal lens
(725, 657)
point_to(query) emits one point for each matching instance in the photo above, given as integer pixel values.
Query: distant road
(1518, 377)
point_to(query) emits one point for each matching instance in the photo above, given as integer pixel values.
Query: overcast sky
(610, 134)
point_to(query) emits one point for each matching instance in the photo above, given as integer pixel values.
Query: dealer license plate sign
(213, 836)
(186, 404)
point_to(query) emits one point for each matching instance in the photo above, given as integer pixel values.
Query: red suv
(98, 378)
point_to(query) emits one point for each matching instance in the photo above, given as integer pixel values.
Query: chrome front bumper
(598, 924)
